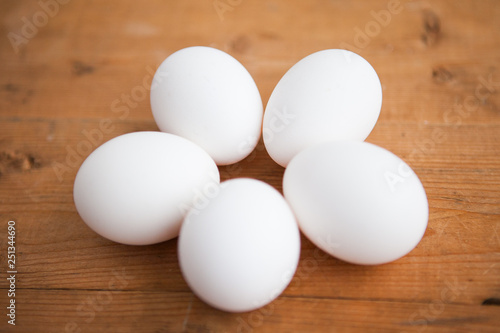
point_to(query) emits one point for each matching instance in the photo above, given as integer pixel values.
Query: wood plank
(133, 311)
(454, 251)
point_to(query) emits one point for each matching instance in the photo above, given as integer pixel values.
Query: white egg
(136, 188)
(240, 251)
(330, 95)
(208, 97)
(357, 201)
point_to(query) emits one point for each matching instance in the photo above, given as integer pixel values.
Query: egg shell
(357, 201)
(240, 251)
(208, 97)
(136, 188)
(330, 95)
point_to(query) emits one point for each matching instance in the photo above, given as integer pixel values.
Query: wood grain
(83, 79)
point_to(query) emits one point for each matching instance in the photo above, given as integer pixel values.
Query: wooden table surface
(76, 73)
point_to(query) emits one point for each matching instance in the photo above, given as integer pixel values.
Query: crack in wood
(491, 301)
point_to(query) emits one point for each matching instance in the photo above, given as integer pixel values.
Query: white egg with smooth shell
(136, 188)
(357, 201)
(330, 95)
(240, 251)
(208, 97)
